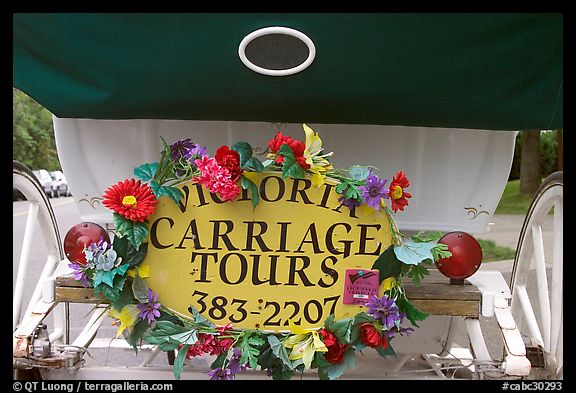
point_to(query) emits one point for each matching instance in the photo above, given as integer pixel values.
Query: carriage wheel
(536, 281)
(40, 224)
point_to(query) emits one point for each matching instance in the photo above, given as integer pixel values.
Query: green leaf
(417, 273)
(244, 150)
(254, 164)
(125, 249)
(359, 172)
(248, 346)
(279, 351)
(342, 328)
(440, 251)
(412, 253)
(168, 336)
(388, 264)
(146, 172)
(111, 293)
(179, 361)
(249, 185)
(412, 313)
(135, 231)
(172, 192)
(335, 371)
(125, 297)
(136, 334)
(199, 319)
(389, 351)
(140, 289)
(219, 361)
(107, 278)
(341, 187)
(290, 168)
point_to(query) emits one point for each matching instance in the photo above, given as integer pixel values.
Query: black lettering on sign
(283, 236)
(327, 190)
(184, 205)
(203, 264)
(217, 235)
(200, 192)
(281, 189)
(193, 236)
(314, 240)
(301, 273)
(364, 238)
(258, 237)
(243, 268)
(330, 238)
(302, 192)
(332, 273)
(154, 233)
(271, 273)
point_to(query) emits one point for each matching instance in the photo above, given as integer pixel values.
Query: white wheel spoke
(529, 313)
(557, 260)
(542, 281)
(31, 222)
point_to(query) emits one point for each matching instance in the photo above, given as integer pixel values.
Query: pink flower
(216, 178)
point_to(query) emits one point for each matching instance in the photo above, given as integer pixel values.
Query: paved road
(504, 230)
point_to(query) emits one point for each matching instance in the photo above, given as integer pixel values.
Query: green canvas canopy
(484, 71)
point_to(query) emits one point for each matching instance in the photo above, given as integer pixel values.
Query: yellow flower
(319, 165)
(142, 270)
(127, 318)
(304, 344)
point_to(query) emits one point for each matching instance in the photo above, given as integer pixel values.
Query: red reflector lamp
(465, 260)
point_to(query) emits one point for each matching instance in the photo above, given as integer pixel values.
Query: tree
(33, 141)
(530, 162)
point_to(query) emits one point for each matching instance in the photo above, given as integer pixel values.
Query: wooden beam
(435, 295)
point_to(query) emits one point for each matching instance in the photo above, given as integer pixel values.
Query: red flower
(229, 159)
(131, 199)
(336, 349)
(296, 146)
(372, 337)
(397, 194)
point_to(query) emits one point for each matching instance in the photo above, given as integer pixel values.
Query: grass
(513, 201)
(493, 252)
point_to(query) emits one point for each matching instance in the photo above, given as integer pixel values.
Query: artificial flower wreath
(112, 269)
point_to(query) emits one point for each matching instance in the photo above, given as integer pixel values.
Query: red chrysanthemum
(296, 146)
(229, 159)
(131, 199)
(397, 192)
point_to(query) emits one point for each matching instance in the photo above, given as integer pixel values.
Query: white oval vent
(277, 51)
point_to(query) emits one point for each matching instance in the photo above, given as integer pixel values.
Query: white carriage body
(457, 176)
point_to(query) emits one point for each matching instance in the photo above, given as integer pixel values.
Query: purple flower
(349, 203)
(197, 152)
(234, 364)
(182, 149)
(149, 310)
(79, 274)
(373, 191)
(221, 374)
(384, 310)
(187, 150)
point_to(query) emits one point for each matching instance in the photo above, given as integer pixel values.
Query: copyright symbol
(17, 386)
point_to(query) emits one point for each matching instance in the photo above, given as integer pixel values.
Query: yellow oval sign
(298, 255)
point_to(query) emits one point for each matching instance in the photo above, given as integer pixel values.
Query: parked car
(59, 184)
(45, 180)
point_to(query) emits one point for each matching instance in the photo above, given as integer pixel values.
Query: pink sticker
(360, 285)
